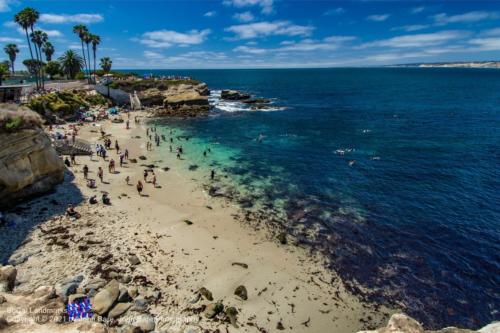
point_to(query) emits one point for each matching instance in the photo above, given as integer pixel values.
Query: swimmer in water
(260, 138)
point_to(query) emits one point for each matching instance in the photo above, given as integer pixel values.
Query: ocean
(393, 173)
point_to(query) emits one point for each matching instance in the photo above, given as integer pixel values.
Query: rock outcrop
(29, 165)
(401, 323)
(234, 95)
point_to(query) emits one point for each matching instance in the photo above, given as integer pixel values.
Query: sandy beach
(288, 287)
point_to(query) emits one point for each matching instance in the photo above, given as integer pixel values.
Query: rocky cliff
(400, 323)
(29, 165)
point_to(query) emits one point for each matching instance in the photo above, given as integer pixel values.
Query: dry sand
(286, 284)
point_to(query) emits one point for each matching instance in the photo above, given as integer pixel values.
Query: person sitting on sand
(67, 162)
(93, 200)
(100, 173)
(85, 171)
(105, 199)
(139, 187)
(71, 212)
(91, 183)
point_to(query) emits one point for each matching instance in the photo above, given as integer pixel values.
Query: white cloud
(10, 40)
(75, 18)
(210, 14)
(244, 17)
(265, 5)
(251, 50)
(378, 18)
(167, 38)
(486, 44)
(53, 33)
(334, 11)
(5, 5)
(264, 29)
(491, 32)
(411, 28)
(305, 45)
(416, 10)
(470, 17)
(418, 40)
(153, 55)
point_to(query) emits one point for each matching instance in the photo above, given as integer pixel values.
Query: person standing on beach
(139, 187)
(126, 153)
(73, 158)
(122, 156)
(128, 124)
(154, 180)
(212, 174)
(146, 175)
(117, 147)
(100, 174)
(85, 171)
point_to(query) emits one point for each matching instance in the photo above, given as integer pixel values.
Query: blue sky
(267, 33)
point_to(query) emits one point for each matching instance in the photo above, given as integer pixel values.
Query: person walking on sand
(73, 158)
(100, 174)
(85, 171)
(126, 153)
(128, 124)
(154, 180)
(127, 180)
(111, 166)
(139, 187)
(146, 175)
(117, 147)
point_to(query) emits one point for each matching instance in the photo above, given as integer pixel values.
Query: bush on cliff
(16, 120)
(64, 104)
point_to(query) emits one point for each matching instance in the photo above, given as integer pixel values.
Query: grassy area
(13, 121)
(140, 85)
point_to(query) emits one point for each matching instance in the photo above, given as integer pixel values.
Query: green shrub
(14, 123)
(80, 76)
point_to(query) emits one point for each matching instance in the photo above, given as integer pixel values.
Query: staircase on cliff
(68, 147)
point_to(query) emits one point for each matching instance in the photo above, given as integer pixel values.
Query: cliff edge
(29, 165)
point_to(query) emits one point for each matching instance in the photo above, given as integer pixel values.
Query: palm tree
(81, 30)
(87, 39)
(27, 18)
(39, 38)
(96, 40)
(12, 51)
(48, 49)
(106, 64)
(71, 63)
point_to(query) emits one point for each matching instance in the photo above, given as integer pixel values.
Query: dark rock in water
(234, 95)
(206, 294)
(257, 101)
(133, 160)
(245, 203)
(213, 309)
(142, 157)
(231, 314)
(282, 238)
(241, 292)
(193, 167)
(215, 192)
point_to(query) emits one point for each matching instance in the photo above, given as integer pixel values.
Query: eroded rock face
(401, 323)
(29, 165)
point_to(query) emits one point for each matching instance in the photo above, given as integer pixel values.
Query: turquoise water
(395, 171)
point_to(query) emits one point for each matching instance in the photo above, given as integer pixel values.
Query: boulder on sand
(106, 297)
(7, 278)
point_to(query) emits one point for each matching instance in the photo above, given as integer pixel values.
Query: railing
(69, 147)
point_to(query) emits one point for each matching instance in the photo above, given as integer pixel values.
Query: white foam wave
(237, 106)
